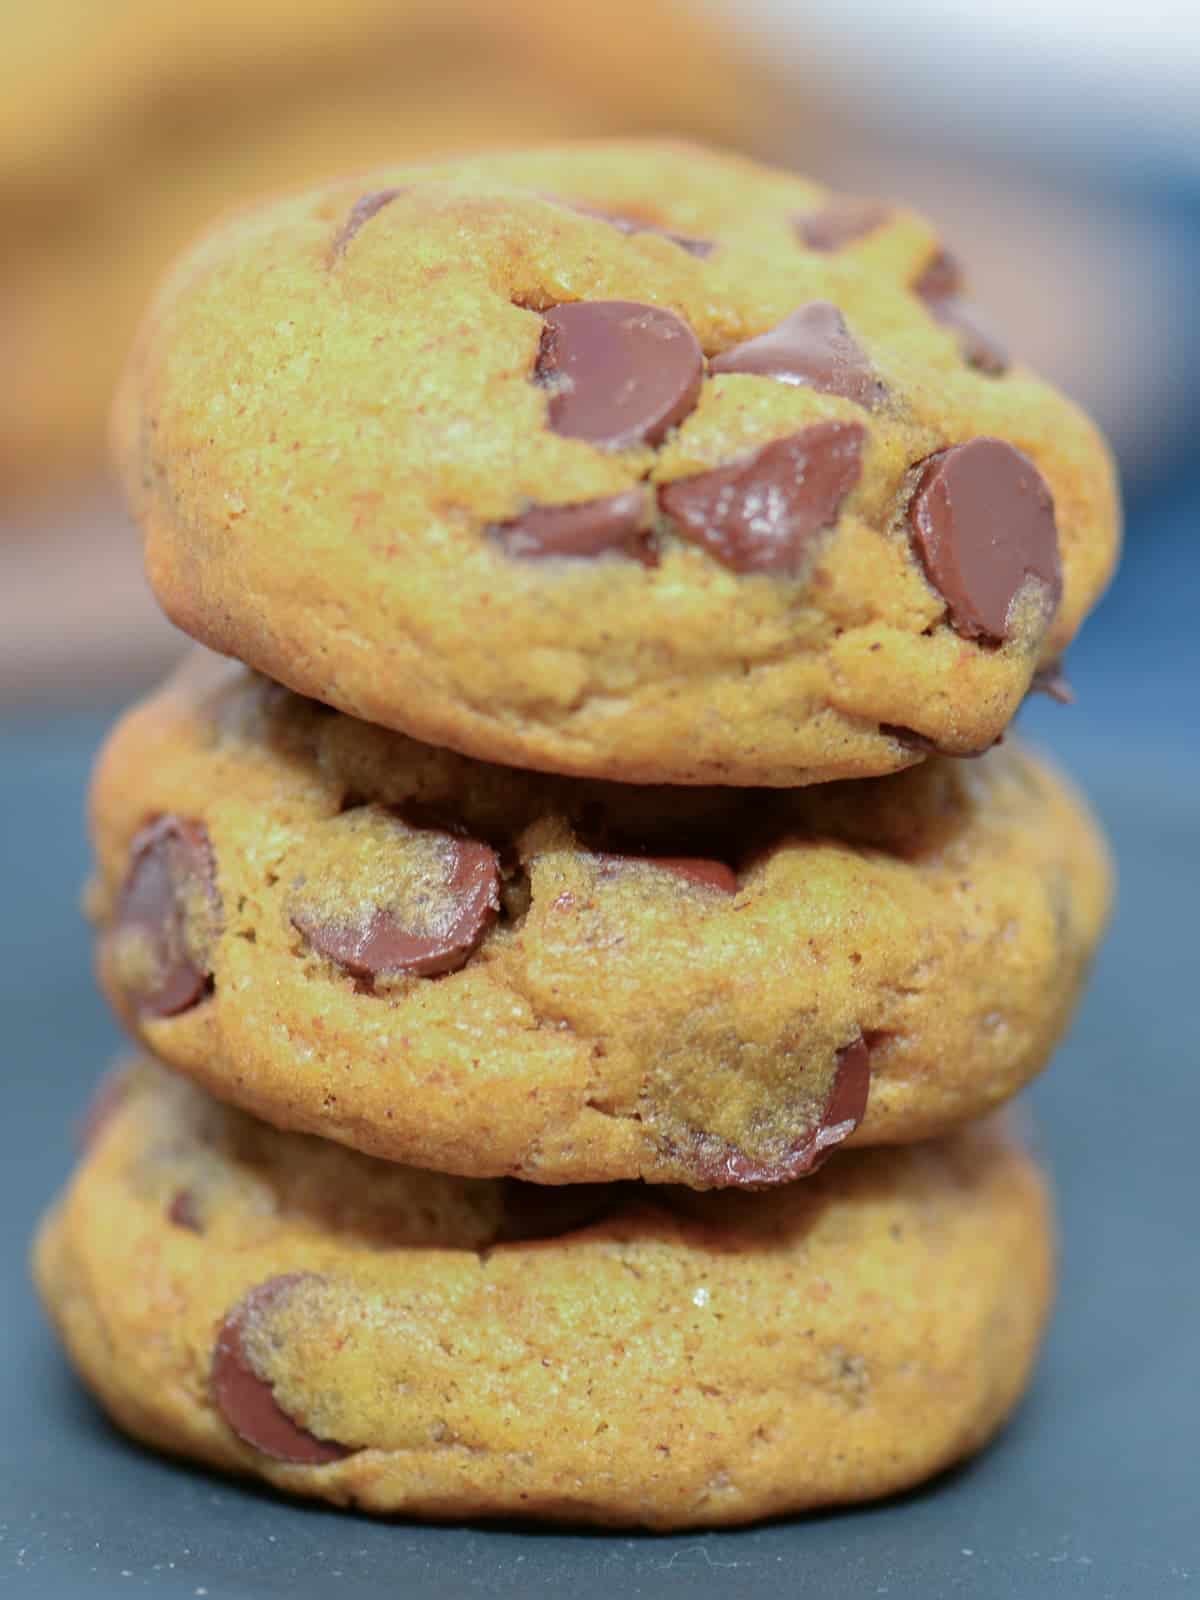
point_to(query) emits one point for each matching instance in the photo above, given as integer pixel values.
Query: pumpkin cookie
(406, 1342)
(626, 461)
(495, 972)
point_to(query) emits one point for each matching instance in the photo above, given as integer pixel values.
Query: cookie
(624, 461)
(495, 972)
(405, 1342)
(127, 126)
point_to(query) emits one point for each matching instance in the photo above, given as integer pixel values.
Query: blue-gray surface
(1092, 1491)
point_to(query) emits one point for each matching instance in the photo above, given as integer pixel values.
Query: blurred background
(1057, 142)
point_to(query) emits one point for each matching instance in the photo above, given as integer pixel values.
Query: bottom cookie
(406, 1341)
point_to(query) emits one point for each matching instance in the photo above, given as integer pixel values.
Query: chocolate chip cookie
(400, 1341)
(493, 972)
(625, 461)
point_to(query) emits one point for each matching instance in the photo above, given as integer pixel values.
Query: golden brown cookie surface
(488, 971)
(399, 1341)
(628, 461)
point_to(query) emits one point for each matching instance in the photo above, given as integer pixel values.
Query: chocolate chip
(844, 1110)
(701, 248)
(632, 225)
(436, 936)
(620, 373)
(813, 348)
(980, 348)
(940, 279)
(840, 222)
(617, 525)
(102, 1107)
(370, 205)
(909, 738)
(982, 523)
(542, 1211)
(923, 745)
(847, 1103)
(760, 514)
(184, 1213)
(166, 918)
(940, 286)
(708, 874)
(709, 828)
(1053, 681)
(247, 1401)
(695, 869)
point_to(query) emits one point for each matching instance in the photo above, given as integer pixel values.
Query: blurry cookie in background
(124, 128)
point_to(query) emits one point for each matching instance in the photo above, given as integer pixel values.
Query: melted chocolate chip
(540, 1211)
(247, 1402)
(761, 513)
(620, 374)
(695, 869)
(373, 942)
(813, 348)
(184, 1213)
(844, 1110)
(617, 525)
(167, 910)
(841, 222)
(370, 205)
(940, 286)
(982, 524)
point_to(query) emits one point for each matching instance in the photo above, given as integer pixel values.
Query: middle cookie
(493, 972)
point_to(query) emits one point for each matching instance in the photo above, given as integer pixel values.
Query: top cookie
(621, 460)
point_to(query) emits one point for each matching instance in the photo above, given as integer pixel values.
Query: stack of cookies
(624, 546)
